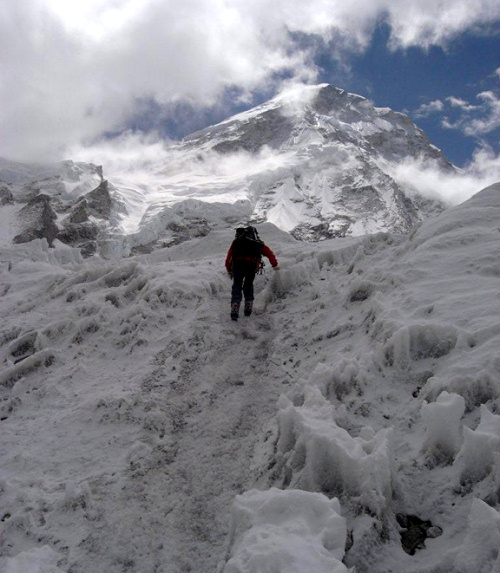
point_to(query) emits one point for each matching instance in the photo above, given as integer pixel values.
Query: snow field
(395, 408)
(126, 450)
(365, 386)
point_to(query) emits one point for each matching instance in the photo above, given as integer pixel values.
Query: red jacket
(266, 251)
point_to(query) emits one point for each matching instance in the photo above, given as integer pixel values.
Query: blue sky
(406, 80)
(74, 74)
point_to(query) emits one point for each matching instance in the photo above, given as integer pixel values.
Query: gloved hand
(230, 275)
(276, 268)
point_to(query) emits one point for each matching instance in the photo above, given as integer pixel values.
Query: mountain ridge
(316, 161)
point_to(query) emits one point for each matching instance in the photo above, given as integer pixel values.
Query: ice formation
(292, 531)
(321, 456)
(480, 453)
(442, 418)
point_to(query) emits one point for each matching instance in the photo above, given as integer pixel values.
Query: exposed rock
(314, 233)
(415, 531)
(80, 212)
(88, 249)
(6, 197)
(99, 201)
(272, 128)
(81, 235)
(180, 231)
(190, 229)
(79, 230)
(38, 219)
(72, 234)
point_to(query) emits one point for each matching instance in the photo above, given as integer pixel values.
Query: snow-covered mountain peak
(331, 114)
(316, 161)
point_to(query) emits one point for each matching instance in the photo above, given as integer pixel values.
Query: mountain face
(315, 162)
(336, 146)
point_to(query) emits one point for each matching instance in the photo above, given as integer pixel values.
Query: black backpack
(247, 244)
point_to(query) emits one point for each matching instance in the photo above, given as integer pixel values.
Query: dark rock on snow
(6, 197)
(39, 220)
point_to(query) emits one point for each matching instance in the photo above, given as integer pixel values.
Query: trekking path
(218, 394)
(127, 454)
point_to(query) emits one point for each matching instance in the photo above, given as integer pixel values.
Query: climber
(243, 261)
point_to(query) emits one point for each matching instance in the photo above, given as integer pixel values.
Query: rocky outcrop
(81, 235)
(67, 201)
(99, 201)
(6, 197)
(80, 229)
(38, 219)
(80, 212)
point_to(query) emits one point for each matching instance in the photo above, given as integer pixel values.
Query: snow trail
(133, 410)
(218, 405)
(144, 429)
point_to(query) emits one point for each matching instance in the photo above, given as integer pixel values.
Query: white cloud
(150, 160)
(72, 70)
(460, 103)
(475, 120)
(429, 23)
(491, 118)
(451, 188)
(127, 153)
(427, 109)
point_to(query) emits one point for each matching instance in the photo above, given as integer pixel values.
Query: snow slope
(142, 430)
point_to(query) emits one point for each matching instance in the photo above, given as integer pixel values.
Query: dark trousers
(243, 277)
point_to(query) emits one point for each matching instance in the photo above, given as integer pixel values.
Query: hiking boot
(248, 307)
(235, 311)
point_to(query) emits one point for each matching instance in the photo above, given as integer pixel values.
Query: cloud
(129, 152)
(429, 23)
(427, 109)
(472, 119)
(71, 71)
(147, 160)
(460, 103)
(476, 120)
(451, 188)
(491, 118)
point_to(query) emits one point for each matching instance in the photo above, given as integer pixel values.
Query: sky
(73, 74)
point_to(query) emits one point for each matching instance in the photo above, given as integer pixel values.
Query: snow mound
(324, 457)
(36, 560)
(481, 548)
(480, 453)
(286, 532)
(443, 436)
